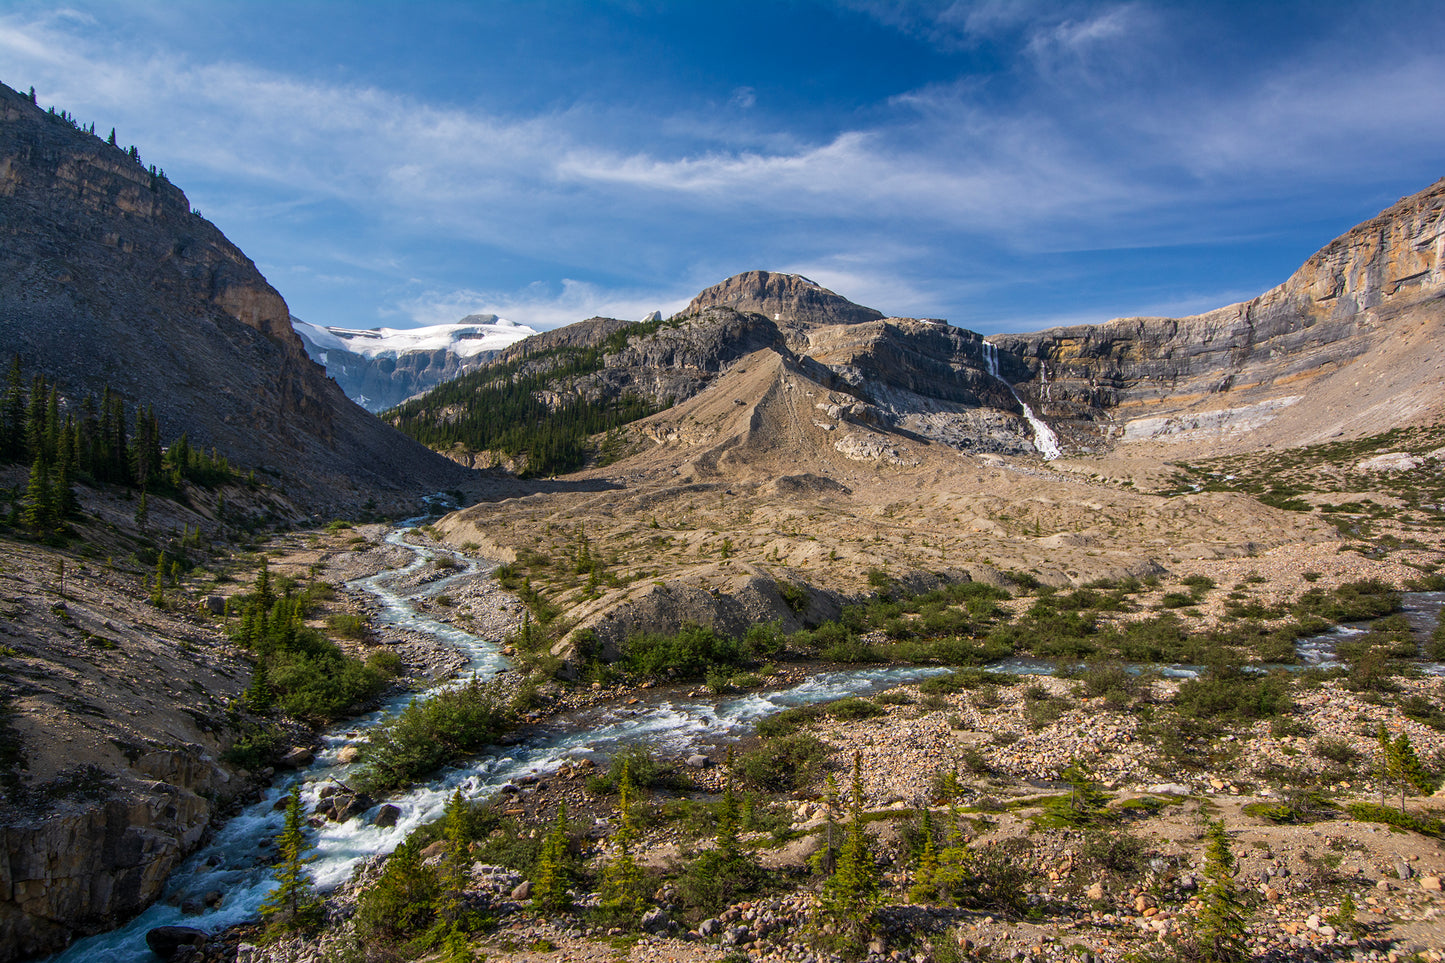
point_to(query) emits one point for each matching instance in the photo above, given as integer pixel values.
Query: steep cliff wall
(1336, 308)
(107, 277)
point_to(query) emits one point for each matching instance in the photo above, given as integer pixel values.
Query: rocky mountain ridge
(848, 422)
(108, 277)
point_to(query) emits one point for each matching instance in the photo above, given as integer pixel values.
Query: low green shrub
(785, 764)
(450, 725)
(788, 721)
(853, 709)
(687, 654)
(1232, 692)
(642, 765)
(1367, 812)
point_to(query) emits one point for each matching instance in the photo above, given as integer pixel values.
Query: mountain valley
(1069, 596)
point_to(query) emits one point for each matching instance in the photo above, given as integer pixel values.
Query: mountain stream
(234, 863)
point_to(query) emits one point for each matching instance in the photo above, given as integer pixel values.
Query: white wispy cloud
(541, 305)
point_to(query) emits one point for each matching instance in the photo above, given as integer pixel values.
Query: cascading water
(234, 863)
(1044, 438)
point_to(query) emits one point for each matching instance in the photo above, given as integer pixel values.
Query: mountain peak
(783, 297)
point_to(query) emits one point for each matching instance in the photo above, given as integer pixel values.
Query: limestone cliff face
(1332, 310)
(781, 297)
(107, 277)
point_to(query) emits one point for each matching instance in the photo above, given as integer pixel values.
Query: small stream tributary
(234, 863)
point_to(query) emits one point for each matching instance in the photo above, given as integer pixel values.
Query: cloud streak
(1081, 135)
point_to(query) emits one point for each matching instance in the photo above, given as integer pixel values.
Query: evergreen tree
(549, 889)
(158, 590)
(263, 584)
(111, 140)
(292, 904)
(35, 420)
(850, 896)
(624, 889)
(451, 904)
(258, 693)
(1407, 771)
(1343, 919)
(142, 511)
(12, 445)
(40, 517)
(66, 503)
(1087, 798)
(1219, 930)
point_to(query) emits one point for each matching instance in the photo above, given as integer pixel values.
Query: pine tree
(39, 516)
(1408, 771)
(292, 904)
(925, 888)
(451, 904)
(66, 504)
(850, 895)
(1086, 798)
(549, 890)
(258, 693)
(1219, 930)
(624, 892)
(1343, 919)
(142, 511)
(158, 590)
(12, 445)
(263, 584)
(111, 140)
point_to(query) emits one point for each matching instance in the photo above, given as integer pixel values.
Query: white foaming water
(234, 862)
(1421, 609)
(1044, 438)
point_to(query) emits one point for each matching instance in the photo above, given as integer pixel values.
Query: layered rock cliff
(107, 277)
(1343, 304)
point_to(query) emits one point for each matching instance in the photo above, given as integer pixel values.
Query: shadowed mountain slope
(107, 277)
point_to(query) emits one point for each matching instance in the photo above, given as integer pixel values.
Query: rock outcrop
(108, 277)
(782, 297)
(1347, 301)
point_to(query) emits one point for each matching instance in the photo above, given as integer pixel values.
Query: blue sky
(1004, 165)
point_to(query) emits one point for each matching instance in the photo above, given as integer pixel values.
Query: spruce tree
(1409, 772)
(850, 896)
(292, 904)
(158, 590)
(624, 888)
(1219, 931)
(39, 516)
(549, 889)
(258, 693)
(12, 445)
(451, 905)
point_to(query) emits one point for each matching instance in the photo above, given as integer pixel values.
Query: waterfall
(1045, 440)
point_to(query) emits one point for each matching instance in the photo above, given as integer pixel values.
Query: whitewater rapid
(235, 862)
